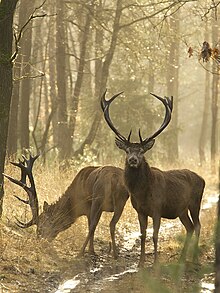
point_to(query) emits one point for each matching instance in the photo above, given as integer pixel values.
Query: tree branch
(167, 8)
(18, 37)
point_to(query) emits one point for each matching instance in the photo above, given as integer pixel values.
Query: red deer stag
(93, 190)
(155, 193)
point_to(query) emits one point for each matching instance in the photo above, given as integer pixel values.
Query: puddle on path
(68, 285)
(208, 283)
(210, 201)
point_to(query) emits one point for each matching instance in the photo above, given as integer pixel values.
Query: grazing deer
(155, 193)
(93, 190)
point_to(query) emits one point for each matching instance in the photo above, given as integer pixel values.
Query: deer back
(173, 191)
(108, 188)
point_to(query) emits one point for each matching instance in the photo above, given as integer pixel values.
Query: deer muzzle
(133, 161)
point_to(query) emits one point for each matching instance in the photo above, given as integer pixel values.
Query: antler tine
(24, 225)
(168, 103)
(105, 102)
(30, 162)
(129, 135)
(105, 108)
(23, 200)
(21, 165)
(140, 137)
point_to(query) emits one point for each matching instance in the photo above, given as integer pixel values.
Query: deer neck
(138, 179)
(63, 213)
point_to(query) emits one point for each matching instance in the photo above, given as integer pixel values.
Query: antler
(26, 170)
(105, 108)
(167, 102)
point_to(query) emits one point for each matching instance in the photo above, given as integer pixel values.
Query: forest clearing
(29, 264)
(62, 63)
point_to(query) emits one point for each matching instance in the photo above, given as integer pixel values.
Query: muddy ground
(30, 265)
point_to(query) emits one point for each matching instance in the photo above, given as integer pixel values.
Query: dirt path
(28, 265)
(103, 274)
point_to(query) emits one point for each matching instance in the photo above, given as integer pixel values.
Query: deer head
(135, 150)
(51, 222)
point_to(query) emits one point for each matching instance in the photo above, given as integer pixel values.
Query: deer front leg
(93, 221)
(156, 227)
(143, 220)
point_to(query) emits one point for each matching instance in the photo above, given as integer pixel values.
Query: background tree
(86, 46)
(7, 9)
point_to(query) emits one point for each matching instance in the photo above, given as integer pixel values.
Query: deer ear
(45, 206)
(149, 145)
(120, 144)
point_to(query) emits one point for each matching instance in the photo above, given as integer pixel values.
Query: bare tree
(13, 121)
(80, 73)
(172, 84)
(7, 9)
(64, 139)
(214, 101)
(104, 75)
(203, 133)
(26, 44)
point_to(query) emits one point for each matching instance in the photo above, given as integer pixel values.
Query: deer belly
(169, 215)
(171, 212)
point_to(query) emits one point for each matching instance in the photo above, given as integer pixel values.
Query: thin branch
(18, 37)
(213, 6)
(210, 71)
(89, 59)
(167, 8)
(41, 74)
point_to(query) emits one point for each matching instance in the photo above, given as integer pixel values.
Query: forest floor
(31, 265)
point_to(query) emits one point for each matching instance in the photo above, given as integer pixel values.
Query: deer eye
(127, 150)
(141, 151)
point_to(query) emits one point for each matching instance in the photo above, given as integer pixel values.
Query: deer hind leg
(117, 214)
(194, 212)
(143, 221)
(184, 218)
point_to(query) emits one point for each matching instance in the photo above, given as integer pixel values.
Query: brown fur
(165, 194)
(93, 190)
(155, 193)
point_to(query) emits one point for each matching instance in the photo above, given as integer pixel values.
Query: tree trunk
(26, 9)
(104, 77)
(203, 133)
(214, 111)
(13, 120)
(52, 76)
(172, 87)
(79, 78)
(217, 242)
(7, 8)
(99, 40)
(64, 139)
(204, 126)
(214, 106)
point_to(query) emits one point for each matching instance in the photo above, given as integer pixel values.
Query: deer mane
(138, 178)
